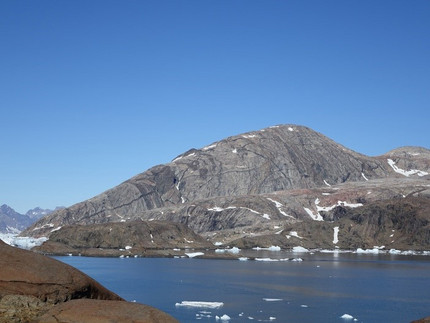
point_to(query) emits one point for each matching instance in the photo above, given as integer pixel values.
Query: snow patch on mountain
(406, 173)
(335, 235)
(316, 217)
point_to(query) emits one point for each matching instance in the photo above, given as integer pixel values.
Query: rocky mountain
(254, 184)
(135, 238)
(37, 212)
(13, 222)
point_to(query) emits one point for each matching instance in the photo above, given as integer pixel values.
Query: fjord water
(371, 288)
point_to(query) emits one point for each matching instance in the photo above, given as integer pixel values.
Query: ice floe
(406, 173)
(370, 251)
(200, 304)
(233, 250)
(225, 317)
(194, 254)
(348, 317)
(300, 249)
(278, 260)
(271, 248)
(272, 299)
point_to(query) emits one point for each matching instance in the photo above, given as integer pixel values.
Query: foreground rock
(31, 284)
(136, 238)
(423, 320)
(27, 273)
(103, 311)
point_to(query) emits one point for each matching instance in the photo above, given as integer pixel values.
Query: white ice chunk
(272, 299)
(200, 304)
(234, 151)
(300, 249)
(225, 317)
(271, 248)
(373, 251)
(347, 317)
(234, 250)
(194, 254)
(128, 247)
(243, 258)
(290, 129)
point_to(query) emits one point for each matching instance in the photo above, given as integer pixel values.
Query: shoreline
(241, 254)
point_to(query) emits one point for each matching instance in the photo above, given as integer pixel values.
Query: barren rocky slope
(254, 184)
(135, 238)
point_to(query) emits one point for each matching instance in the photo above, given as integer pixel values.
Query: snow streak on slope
(406, 173)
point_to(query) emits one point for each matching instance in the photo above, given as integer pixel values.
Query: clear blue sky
(94, 92)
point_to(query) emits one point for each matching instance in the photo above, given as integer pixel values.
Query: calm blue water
(371, 288)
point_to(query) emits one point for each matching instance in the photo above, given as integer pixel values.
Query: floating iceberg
(225, 317)
(300, 249)
(200, 304)
(194, 254)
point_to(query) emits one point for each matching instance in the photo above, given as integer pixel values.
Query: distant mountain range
(285, 184)
(13, 222)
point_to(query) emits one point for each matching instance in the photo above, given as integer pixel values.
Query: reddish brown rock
(27, 273)
(35, 288)
(97, 311)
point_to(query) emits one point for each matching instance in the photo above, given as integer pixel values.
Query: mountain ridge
(13, 222)
(276, 159)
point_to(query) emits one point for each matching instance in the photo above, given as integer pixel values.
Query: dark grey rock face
(122, 238)
(252, 183)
